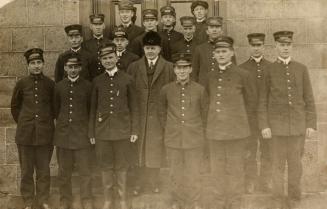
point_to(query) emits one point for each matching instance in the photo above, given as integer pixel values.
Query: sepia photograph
(163, 104)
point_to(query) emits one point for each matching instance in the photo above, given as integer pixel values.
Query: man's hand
(266, 133)
(92, 140)
(133, 138)
(309, 132)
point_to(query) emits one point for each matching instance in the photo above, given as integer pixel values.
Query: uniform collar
(98, 37)
(112, 72)
(76, 50)
(284, 61)
(201, 21)
(257, 59)
(73, 80)
(188, 40)
(120, 53)
(127, 25)
(225, 67)
(37, 76)
(183, 83)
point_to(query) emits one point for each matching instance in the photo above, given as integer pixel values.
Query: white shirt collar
(200, 21)
(257, 59)
(285, 61)
(127, 25)
(120, 53)
(224, 67)
(154, 61)
(112, 72)
(75, 50)
(188, 39)
(73, 80)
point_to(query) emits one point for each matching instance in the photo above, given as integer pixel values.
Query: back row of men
(136, 107)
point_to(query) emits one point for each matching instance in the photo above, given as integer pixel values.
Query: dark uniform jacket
(72, 105)
(150, 141)
(203, 61)
(184, 46)
(172, 36)
(183, 111)
(286, 103)
(132, 31)
(136, 46)
(32, 109)
(86, 58)
(233, 98)
(92, 45)
(200, 34)
(125, 59)
(256, 70)
(113, 113)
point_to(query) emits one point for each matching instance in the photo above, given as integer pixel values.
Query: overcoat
(150, 142)
(72, 108)
(126, 59)
(32, 110)
(286, 102)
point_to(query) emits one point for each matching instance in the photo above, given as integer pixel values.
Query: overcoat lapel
(158, 70)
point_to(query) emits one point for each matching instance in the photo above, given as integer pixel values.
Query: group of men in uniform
(158, 92)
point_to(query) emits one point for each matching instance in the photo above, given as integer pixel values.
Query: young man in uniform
(233, 102)
(287, 115)
(127, 14)
(168, 20)
(188, 43)
(125, 57)
(32, 110)
(72, 107)
(256, 65)
(92, 45)
(183, 111)
(200, 11)
(74, 34)
(113, 124)
(150, 73)
(150, 23)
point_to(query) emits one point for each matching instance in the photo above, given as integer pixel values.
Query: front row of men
(148, 106)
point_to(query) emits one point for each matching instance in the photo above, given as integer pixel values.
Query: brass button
(36, 116)
(217, 110)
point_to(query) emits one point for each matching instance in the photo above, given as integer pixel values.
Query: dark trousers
(287, 149)
(185, 167)
(251, 168)
(67, 158)
(35, 158)
(147, 177)
(227, 166)
(113, 155)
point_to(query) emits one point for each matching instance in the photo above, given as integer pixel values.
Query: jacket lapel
(158, 70)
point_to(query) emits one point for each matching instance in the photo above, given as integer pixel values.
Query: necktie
(151, 65)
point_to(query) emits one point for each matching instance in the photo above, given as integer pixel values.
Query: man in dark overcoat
(256, 65)
(232, 103)
(183, 111)
(200, 11)
(287, 116)
(32, 110)
(113, 124)
(150, 73)
(93, 44)
(72, 107)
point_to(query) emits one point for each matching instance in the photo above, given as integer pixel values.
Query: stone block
(50, 63)
(242, 54)
(316, 30)
(319, 82)
(322, 112)
(14, 13)
(313, 55)
(10, 135)
(5, 39)
(7, 85)
(2, 145)
(8, 178)
(263, 9)
(55, 38)
(6, 118)
(236, 9)
(25, 38)
(12, 154)
(12, 64)
(45, 12)
(295, 24)
(71, 11)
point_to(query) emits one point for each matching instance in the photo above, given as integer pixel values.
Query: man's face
(75, 40)
(284, 50)
(121, 43)
(150, 24)
(200, 12)
(109, 61)
(188, 31)
(97, 28)
(257, 48)
(151, 52)
(214, 31)
(72, 70)
(35, 66)
(223, 55)
(126, 15)
(168, 20)
(182, 72)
